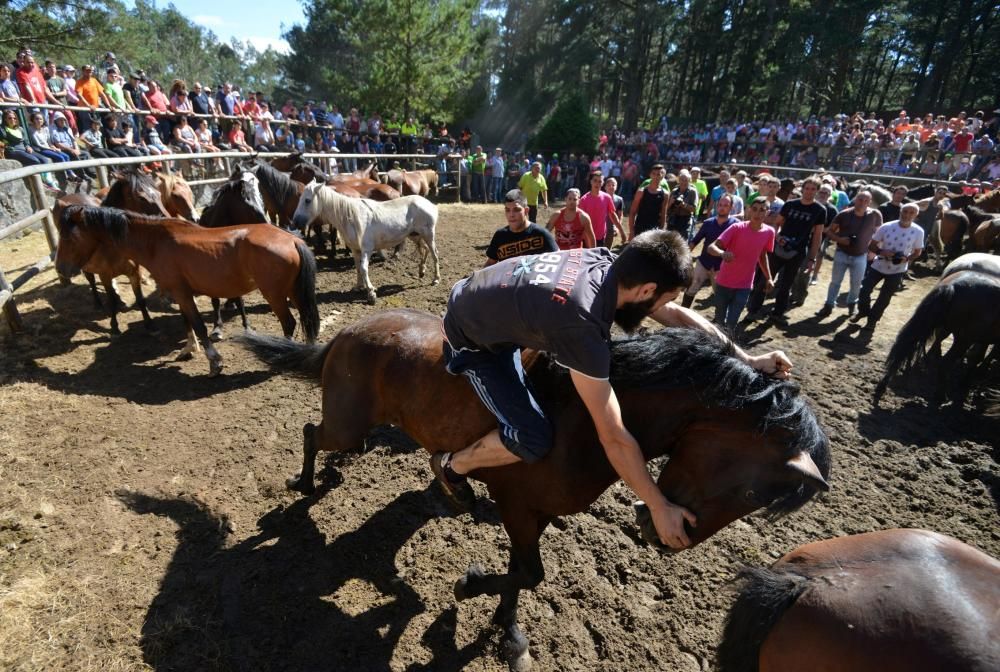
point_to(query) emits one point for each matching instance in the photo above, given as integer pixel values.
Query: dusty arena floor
(144, 522)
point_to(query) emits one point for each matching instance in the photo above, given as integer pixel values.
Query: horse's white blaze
(366, 225)
(254, 184)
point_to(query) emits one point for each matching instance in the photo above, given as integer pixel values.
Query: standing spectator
(11, 93)
(114, 91)
(553, 175)
(852, 231)
(743, 247)
(719, 190)
(478, 170)
(226, 101)
(649, 207)
(109, 63)
(895, 245)
(571, 226)
(610, 186)
(600, 208)
(707, 264)
(520, 236)
(534, 187)
(681, 205)
(158, 105)
(701, 188)
(31, 81)
(497, 172)
(890, 210)
(800, 230)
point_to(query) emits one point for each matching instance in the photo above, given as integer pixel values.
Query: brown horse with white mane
(187, 260)
(888, 601)
(738, 441)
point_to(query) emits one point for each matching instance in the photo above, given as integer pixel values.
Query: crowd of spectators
(135, 115)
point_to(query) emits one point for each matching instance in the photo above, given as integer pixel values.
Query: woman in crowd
(237, 140)
(38, 138)
(18, 147)
(263, 136)
(185, 138)
(204, 135)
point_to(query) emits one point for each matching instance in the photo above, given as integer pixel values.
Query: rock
(15, 198)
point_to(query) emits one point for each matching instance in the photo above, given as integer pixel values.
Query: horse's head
(738, 441)
(309, 207)
(177, 197)
(82, 230)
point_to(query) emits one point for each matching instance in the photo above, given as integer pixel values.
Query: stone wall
(15, 199)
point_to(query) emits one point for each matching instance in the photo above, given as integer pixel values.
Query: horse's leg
(971, 374)
(946, 369)
(93, 289)
(241, 306)
(216, 334)
(190, 346)
(432, 244)
(363, 278)
(188, 308)
(421, 257)
(278, 301)
(525, 571)
(135, 278)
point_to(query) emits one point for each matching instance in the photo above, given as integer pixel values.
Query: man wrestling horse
(564, 303)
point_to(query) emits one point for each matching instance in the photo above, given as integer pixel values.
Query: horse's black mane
(690, 358)
(280, 186)
(115, 221)
(977, 215)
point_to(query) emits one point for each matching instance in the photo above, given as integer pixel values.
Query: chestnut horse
(137, 192)
(413, 182)
(887, 601)
(186, 260)
(963, 305)
(176, 194)
(107, 263)
(738, 441)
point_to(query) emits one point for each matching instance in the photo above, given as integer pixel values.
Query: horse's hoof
(216, 335)
(515, 651)
(371, 298)
(462, 589)
(298, 484)
(435, 281)
(215, 369)
(183, 357)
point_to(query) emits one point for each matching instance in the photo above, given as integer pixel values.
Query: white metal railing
(32, 176)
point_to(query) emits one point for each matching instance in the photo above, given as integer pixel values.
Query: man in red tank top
(571, 226)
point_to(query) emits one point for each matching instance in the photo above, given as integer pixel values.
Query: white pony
(366, 226)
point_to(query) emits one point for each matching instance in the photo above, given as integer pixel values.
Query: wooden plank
(22, 224)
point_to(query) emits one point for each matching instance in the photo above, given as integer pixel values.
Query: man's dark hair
(656, 256)
(657, 166)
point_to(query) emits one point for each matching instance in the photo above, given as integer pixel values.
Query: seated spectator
(237, 140)
(18, 148)
(130, 138)
(64, 139)
(151, 137)
(114, 137)
(185, 139)
(38, 138)
(93, 140)
(263, 136)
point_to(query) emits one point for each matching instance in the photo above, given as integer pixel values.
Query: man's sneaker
(858, 316)
(779, 318)
(458, 492)
(851, 309)
(868, 328)
(825, 311)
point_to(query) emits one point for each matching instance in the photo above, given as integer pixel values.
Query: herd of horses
(737, 441)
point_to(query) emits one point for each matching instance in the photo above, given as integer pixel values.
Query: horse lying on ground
(366, 226)
(186, 260)
(888, 601)
(738, 441)
(107, 263)
(963, 305)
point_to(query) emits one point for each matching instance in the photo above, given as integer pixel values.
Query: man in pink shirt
(600, 207)
(743, 247)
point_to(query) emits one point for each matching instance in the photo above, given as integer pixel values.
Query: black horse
(963, 305)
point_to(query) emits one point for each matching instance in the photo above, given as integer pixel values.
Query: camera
(898, 258)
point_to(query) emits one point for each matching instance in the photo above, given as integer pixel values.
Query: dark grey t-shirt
(560, 302)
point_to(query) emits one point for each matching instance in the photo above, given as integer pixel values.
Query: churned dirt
(144, 522)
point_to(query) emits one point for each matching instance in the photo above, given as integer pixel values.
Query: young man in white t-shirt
(895, 245)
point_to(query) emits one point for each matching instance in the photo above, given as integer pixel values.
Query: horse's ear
(803, 464)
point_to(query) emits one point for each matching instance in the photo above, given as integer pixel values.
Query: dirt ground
(144, 522)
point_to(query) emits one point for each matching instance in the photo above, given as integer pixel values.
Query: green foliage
(400, 57)
(571, 127)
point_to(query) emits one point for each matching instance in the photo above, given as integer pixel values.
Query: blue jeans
(496, 189)
(845, 263)
(729, 303)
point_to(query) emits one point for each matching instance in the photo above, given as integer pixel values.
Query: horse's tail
(765, 595)
(911, 342)
(300, 360)
(305, 292)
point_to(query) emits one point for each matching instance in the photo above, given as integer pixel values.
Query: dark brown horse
(279, 192)
(107, 263)
(188, 260)
(888, 601)
(738, 441)
(963, 305)
(137, 192)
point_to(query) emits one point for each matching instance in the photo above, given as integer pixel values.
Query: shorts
(500, 383)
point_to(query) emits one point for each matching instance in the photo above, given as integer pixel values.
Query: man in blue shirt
(707, 265)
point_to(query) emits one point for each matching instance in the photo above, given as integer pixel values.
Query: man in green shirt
(533, 185)
(478, 168)
(701, 187)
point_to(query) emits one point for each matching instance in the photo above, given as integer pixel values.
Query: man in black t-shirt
(564, 303)
(800, 231)
(890, 210)
(520, 236)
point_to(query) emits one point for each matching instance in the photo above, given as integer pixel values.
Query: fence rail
(32, 176)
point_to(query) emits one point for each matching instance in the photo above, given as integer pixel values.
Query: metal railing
(779, 170)
(32, 176)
